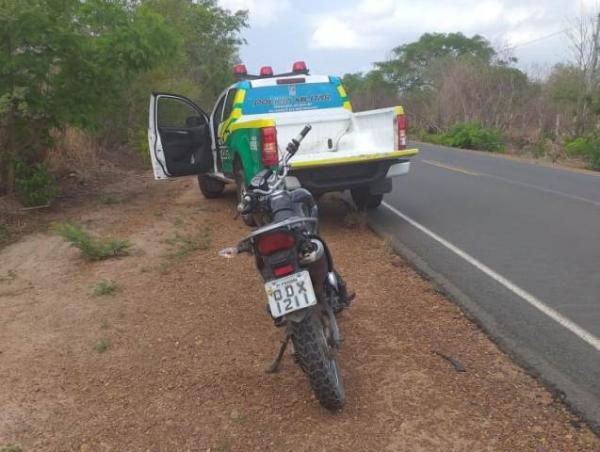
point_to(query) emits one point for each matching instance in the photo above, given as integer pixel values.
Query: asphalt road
(518, 246)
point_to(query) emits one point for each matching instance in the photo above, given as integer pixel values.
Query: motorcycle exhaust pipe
(316, 263)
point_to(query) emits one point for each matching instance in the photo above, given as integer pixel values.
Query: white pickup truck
(257, 115)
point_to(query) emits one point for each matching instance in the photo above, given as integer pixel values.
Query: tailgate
(353, 138)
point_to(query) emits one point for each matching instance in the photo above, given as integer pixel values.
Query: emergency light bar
(240, 72)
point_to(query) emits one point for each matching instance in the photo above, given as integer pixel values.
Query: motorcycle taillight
(276, 241)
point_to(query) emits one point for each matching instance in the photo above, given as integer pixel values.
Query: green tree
(408, 67)
(370, 90)
(200, 68)
(61, 63)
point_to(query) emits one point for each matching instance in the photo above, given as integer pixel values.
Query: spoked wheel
(240, 182)
(316, 355)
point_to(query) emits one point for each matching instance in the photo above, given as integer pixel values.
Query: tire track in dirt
(190, 339)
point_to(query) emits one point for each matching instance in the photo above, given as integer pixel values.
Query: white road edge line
(582, 334)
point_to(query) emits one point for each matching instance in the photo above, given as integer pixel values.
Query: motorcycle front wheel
(317, 358)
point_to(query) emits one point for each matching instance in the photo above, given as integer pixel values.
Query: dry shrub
(74, 151)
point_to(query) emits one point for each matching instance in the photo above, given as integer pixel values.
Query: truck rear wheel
(364, 199)
(211, 188)
(240, 182)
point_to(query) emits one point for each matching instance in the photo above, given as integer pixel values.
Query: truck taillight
(269, 153)
(401, 126)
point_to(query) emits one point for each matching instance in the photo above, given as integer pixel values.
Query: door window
(173, 113)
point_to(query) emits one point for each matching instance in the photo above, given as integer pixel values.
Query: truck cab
(255, 118)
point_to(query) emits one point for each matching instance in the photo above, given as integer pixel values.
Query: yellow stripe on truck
(240, 95)
(354, 159)
(256, 124)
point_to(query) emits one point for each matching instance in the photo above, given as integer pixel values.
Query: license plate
(290, 293)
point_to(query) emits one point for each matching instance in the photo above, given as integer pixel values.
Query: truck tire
(240, 183)
(364, 199)
(211, 188)
(315, 357)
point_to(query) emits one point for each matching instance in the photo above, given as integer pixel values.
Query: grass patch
(102, 345)
(110, 199)
(10, 276)
(92, 248)
(106, 288)
(11, 448)
(222, 446)
(7, 235)
(186, 244)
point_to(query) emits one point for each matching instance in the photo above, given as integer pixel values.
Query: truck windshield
(295, 97)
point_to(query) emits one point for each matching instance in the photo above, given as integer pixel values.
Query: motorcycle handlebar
(293, 145)
(303, 133)
(245, 205)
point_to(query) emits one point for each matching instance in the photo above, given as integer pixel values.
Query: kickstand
(274, 367)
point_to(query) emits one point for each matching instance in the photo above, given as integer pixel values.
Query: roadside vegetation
(461, 91)
(185, 244)
(11, 448)
(106, 288)
(467, 136)
(103, 345)
(75, 77)
(92, 248)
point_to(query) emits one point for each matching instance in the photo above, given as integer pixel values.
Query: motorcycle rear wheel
(317, 358)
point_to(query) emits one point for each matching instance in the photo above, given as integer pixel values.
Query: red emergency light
(266, 71)
(299, 67)
(240, 70)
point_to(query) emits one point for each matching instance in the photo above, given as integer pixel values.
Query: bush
(106, 288)
(423, 135)
(34, 184)
(474, 136)
(586, 147)
(93, 249)
(467, 136)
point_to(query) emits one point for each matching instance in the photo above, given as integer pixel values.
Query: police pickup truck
(242, 135)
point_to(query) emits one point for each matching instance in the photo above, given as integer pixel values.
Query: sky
(340, 36)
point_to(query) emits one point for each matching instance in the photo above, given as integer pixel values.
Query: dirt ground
(174, 360)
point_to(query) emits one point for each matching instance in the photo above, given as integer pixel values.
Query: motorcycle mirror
(229, 253)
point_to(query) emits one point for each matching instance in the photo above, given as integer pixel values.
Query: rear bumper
(324, 179)
(347, 158)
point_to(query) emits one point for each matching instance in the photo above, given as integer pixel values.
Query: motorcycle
(304, 292)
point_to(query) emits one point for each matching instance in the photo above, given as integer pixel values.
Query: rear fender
(244, 144)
